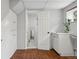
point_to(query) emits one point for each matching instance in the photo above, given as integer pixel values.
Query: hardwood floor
(38, 54)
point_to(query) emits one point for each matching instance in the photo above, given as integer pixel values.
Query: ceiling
(46, 4)
(19, 5)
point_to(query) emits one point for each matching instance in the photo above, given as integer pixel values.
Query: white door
(43, 29)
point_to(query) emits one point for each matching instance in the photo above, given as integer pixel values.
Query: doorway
(32, 41)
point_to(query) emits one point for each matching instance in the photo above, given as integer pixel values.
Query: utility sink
(62, 44)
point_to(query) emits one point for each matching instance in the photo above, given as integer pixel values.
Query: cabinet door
(55, 42)
(65, 45)
(8, 35)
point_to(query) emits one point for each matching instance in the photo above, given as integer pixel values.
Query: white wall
(49, 21)
(21, 29)
(9, 35)
(56, 21)
(4, 8)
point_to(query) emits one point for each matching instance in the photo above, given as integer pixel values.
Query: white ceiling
(46, 4)
(38, 4)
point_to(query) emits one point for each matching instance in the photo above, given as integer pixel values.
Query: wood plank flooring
(38, 54)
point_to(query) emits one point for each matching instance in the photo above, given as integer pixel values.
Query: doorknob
(48, 32)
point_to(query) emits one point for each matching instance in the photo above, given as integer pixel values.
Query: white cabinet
(61, 42)
(55, 42)
(9, 35)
